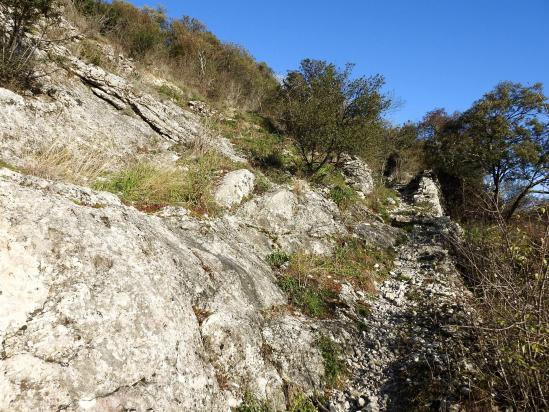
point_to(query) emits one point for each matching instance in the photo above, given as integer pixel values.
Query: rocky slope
(104, 307)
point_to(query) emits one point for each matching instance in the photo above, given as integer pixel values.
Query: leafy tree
(503, 139)
(328, 113)
(20, 19)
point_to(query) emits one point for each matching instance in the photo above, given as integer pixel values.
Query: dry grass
(58, 162)
(190, 184)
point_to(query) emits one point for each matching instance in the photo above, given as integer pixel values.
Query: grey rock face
(106, 308)
(358, 174)
(303, 221)
(234, 187)
(428, 196)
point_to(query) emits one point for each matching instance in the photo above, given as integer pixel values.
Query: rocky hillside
(109, 304)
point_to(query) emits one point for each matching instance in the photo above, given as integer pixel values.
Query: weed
(173, 94)
(334, 367)
(277, 259)
(252, 404)
(58, 162)
(312, 300)
(149, 187)
(302, 403)
(343, 196)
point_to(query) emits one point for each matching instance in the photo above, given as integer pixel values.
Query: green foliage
(173, 94)
(302, 404)
(17, 59)
(378, 201)
(193, 56)
(334, 366)
(312, 282)
(312, 300)
(262, 184)
(266, 151)
(503, 139)
(277, 259)
(327, 112)
(343, 195)
(252, 404)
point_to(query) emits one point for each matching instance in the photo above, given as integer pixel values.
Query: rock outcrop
(234, 187)
(358, 174)
(105, 308)
(303, 221)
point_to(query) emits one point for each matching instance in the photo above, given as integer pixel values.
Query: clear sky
(433, 53)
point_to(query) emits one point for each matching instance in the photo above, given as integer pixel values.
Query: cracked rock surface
(103, 307)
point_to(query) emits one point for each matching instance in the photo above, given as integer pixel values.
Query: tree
(504, 138)
(327, 112)
(20, 18)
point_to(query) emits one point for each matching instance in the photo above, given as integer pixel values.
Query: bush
(343, 195)
(17, 60)
(277, 259)
(506, 268)
(327, 112)
(193, 56)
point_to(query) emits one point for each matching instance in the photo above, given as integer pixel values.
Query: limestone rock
(303, 221)
(234, 187)
(358, 174)
(104, 307)
(428, 195)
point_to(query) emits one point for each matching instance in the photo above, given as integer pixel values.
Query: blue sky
(433, 53)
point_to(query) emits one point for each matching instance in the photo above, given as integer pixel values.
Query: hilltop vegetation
(184, 50)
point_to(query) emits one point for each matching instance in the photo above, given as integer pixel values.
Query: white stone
(234, 187)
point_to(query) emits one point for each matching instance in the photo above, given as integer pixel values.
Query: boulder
(234, 187)
(303, 221)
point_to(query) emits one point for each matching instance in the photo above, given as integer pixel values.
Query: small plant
(378, 202)
(173, 94)
(262, 184)
(149, 187)
(92, 53)
(334, 367)
(252, 404)
(343, 195)
(312, 300)
(302, 403)
(277, 259)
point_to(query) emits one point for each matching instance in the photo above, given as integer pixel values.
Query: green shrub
(252, 404)
(17, 60)
(262, 184)
(343, 196)
(301, 403)
(193, 56)
(312, 300)
(308, 107)
(277, 259)
(334, 366)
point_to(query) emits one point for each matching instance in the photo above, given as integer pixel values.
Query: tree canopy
(502, 139)
(327, 112)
